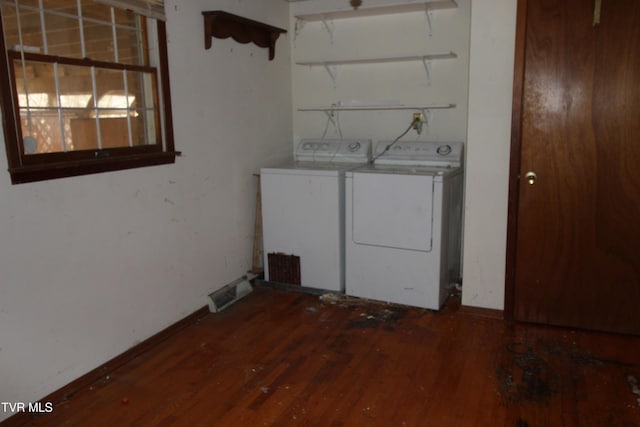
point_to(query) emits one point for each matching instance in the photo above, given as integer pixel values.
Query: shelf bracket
(426, 113)
(428, 12)
(299, 25)
(332, 70)
(330, 27)
(427, 69)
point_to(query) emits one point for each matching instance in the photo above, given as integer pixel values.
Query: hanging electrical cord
(334, 118)
(413, 122)
(326, 126)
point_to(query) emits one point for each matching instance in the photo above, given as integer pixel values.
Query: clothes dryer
(403, 223)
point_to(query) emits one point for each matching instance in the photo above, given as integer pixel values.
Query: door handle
(531, 177)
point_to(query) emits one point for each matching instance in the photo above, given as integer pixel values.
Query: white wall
(92, 265)
(490, 93)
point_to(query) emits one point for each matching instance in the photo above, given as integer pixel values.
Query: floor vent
(224, 297)
(284, 268)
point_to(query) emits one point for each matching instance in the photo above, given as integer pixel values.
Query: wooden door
(577, 128)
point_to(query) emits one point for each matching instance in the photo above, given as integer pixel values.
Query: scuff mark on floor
(533, 381)
(372, 314)
(535, 373)
(375, 317)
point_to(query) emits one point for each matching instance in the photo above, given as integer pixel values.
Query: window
(88, 87)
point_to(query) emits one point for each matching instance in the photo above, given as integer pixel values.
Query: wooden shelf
(223, 25)
(364, 10)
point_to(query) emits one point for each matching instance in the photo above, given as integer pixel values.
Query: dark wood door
(577, 244)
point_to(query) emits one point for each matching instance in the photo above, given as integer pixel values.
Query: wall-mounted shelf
(222, 25)
(332, 112)
(378, 60)
(330, 64)
(364, 10)
(327, 17)
(377, 107)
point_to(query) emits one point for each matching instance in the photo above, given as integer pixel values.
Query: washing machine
(303, 213)
(403, 223)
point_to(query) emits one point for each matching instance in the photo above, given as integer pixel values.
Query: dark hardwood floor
(289, 359)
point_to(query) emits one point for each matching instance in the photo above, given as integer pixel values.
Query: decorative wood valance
(223, 25)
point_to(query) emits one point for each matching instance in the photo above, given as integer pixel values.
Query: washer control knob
(443, 150)
(354, 146)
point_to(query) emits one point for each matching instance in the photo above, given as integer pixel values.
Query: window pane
(75, 84)
(145, 127)
(30, 24)
(113, 108)
(41, 128)
(110, 82)
(113, 133)
(131, 31)
(130, 47)
(63, 36)
(139, 84)
(34, 100)
(76, 136)
(96, 11)
(125, 18)
(115, 101)
(99, 42)
(80, 100)
(39, 80)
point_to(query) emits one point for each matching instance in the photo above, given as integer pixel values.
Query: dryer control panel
(419, 153)
(334, 150)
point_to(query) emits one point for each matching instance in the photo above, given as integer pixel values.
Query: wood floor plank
(277, 358)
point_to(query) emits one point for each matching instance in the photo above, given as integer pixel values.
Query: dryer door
(393, 210)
